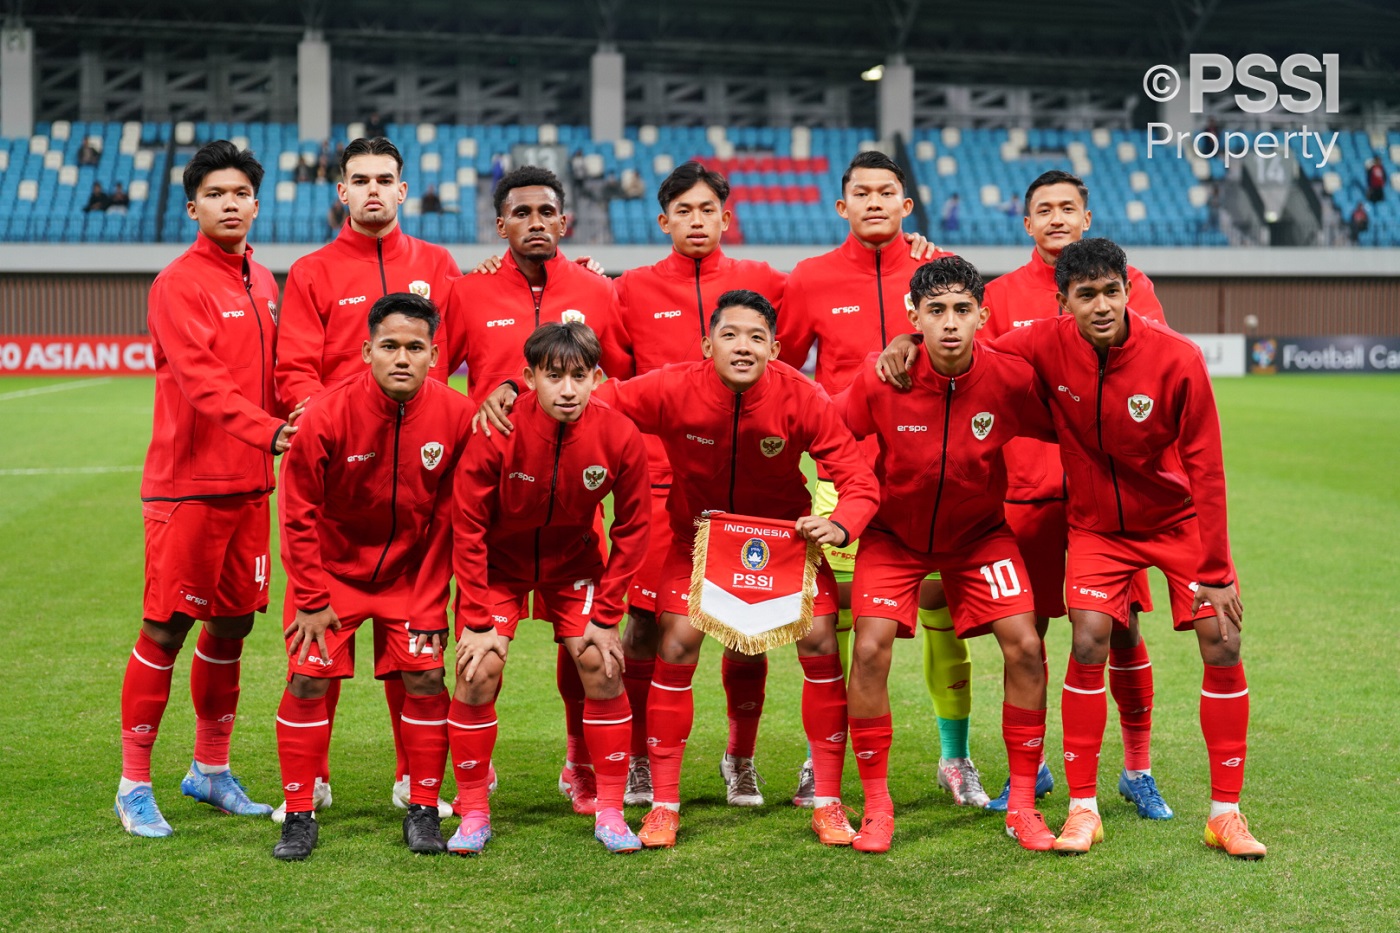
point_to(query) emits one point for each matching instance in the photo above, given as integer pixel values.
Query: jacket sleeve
(1201, 454)
(640, 399)
(795, 332)
(835, 450)
(853, 405)
(621, 316)
(476, 492)
(776, 292)
(1020, 342)
(630, 534)
(1034, 412)
(617, 360)
(1143, 298)
(994, 302)
(179, 322)
(432, 584)
(301, 497)
(454, 311)
(301, 341)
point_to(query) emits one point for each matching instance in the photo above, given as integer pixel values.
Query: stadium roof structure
(1069, 44)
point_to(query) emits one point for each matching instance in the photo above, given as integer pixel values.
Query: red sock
(332, 701)
(214, 689)
(636, 680)
(1023, 730)
(425, 741)
(145, 693)
(394, 694)
(1225, 725)
(571, 692)
(743, 692)
(824, 720)
(870, 740)
(607, 724)
(303, 732)
(1084, 710)
(471, 732)
(670, 714)
(1130, 682)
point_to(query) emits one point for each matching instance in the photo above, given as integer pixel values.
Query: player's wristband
(1218, 586)
(312, 612)
(276, 435)
(844, 532)
(513, 384)
(602, 624)
(427, 631)
(480, 631)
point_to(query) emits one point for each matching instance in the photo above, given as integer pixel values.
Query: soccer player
(366, 533)
(1137, 424)
(941, 509)
(493, 316)
(525, 520)
(321, 336)
(1057, 214)
(735, 427)
(850, 301)
(205, 486)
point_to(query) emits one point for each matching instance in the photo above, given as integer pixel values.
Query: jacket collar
(715, 389)
(539, 422)
(551, 266)
(684, 267)
(1041, 272)
(1136, 325)
(864, 259)
(925, 376)
(382, 405)
(237, 263)
(363, 246)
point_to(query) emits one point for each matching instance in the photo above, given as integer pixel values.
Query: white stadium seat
(53, 159)
(466, 147)
(287, 161)
(354, 131)
(286, 191)
(240, 141)
(448, 192)
(430, 162)
(38, 145)
(140, 189)
(143, 160)
(549, 133)
(184, 133)
(60, 130)
(952, 136)
(714, 135)
(924, 151)
(466, 177)
(647, 134)
(68, 175)
(623, 148)
(1127, 152)
(1101, 137)
(1139, 181)
(28, 190)
(427, 132)
(1136, 211)
(991, 195)
(1331, 182)
(947, 165)
(1198, 195)
(663, 163)
(413, 207)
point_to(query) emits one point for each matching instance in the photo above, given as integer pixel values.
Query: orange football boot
(1082, 829)
(1230, 832)
(659, 828)
(832, 826)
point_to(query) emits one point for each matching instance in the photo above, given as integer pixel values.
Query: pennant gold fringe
(785, 634)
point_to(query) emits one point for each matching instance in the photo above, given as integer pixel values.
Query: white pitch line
(70, 471)
(45, 390)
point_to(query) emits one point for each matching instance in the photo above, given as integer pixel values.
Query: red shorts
(566, 606)
(983, 583)
(1042, 534)
(675, 589)
(1102, 569)
(353, 603)
(206, 558)
(647, 581)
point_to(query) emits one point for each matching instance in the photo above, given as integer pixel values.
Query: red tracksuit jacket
(666, 309)
(367, 493)
(942, 479)
(325, 313)
(1139, 431)
(527, 505)
(742, 452)
(1034, 471)
(492, 315)
(212, 318)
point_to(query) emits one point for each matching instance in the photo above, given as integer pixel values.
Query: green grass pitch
(1315, 507)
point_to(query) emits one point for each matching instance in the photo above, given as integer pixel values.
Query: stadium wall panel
(1310, 307)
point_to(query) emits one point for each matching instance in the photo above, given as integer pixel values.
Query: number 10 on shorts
(1001, 577)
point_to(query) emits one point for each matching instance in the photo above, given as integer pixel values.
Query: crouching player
(942, 481)
(1138, 428)
(735, 426)
(526, 507)
(366, 533)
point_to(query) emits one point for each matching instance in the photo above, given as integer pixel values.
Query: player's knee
(640, 635)
(1090, 648)
(231, 626)
(423, 683)
(870, 654)
(171, 635)
(308, 688)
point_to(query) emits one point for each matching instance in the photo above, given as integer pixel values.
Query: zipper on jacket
(262, 356)
(1098, 423)
(880, 297)
(943, 460)
(379, 248)
(734, 450)
(537, 296)
(393, 497)
(700, 302)
(553, 486)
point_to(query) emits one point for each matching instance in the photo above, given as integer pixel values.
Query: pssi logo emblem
(772, 446)
(1139, 407)
(571, 316)
(593, 476)
(754, 554)
(420, 288)
(432, 454)
(982, 424)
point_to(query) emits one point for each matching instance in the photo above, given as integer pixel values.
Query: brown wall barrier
(115, 304)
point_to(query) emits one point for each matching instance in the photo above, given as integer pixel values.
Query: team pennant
(753, 582)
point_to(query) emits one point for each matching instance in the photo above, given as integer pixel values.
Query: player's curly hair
(686, 176)
(407, 304)
(563, 347)
(744, 298)
(1089, 259)
(527, 176)
(216, 156)
(949, 274)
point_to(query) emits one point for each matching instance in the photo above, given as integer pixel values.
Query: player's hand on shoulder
(895, 360)
(821, 530)
(589, 263)
(1225, 600)
(308, 628)
(488, 266)
(920, 247)
(284, 438)
(494, 411)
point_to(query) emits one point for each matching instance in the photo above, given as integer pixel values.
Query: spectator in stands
(500, 164)
(119, 201)
(1360, 221)
(949, 214)
(1213, 207)
(99, 200)
(89, 153)
(335, 218)
(1011, 207)
(578, 165)
(323, 167)
(430, 203)
(374, 126)
(1375, 181)
(306, 170)
(632, 185)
